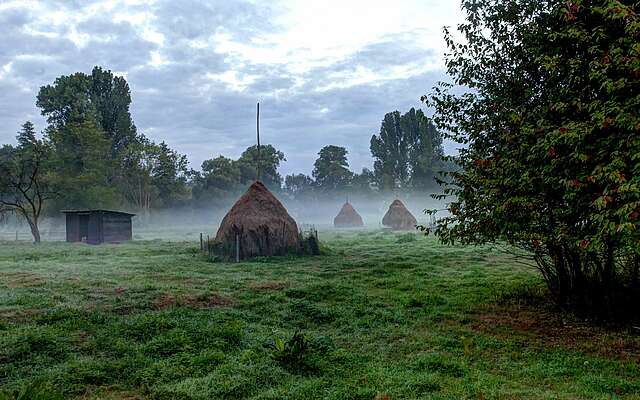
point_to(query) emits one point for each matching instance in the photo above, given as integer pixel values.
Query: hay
(399, 218)
(262, 225)
(348, 217)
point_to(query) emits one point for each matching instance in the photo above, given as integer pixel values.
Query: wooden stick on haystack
(257, 224)
(258, 162)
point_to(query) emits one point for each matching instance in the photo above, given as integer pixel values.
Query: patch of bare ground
(18, 315)
(545, 328)
(202, 301)
(95, 392)
(15, 280)
(268, 285)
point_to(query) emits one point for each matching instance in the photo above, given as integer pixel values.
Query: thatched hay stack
(261, 223)
(399, 218)
(348, 217)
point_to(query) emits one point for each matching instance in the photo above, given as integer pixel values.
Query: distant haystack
(348, 217)
(260, 224)
(399, 218)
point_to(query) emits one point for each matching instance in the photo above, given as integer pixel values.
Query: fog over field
(187, 222)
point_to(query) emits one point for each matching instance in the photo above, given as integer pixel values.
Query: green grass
(382, 314)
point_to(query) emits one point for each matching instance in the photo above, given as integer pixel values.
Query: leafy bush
(551, 162)
(290, 353)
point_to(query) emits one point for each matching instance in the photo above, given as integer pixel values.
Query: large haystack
(262, 225)
(348, 217)
(399, 218)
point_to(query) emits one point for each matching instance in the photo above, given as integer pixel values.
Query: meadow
(379, 316)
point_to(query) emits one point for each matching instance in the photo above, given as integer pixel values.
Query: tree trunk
(35, 231)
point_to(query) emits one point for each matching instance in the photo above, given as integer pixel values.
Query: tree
(155, 175)
(169, 174)
(362, 182)
(101, 96)
(552, 134)
(219, 179)
(24, 181)
(137, 181)
(424, 147)
(390, 153)
(331, 169)
(270, 159)
(298, 185)
(92, 109)
(407, 152)
(82, 164)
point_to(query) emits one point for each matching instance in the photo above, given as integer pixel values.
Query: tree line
(91, 155)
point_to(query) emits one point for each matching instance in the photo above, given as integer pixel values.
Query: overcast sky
(325, 72)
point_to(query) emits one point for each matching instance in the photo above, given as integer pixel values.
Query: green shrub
(290, 353)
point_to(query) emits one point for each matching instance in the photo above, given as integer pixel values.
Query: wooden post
(237, 248)
(208, 247)
(201, 244)
(258, 137)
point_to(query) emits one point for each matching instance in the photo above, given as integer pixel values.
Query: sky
(325, 72)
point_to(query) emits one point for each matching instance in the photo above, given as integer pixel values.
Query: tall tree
(169, 175)
(101, 96)
(424, 147)
(24, 180)
(407, 152)
(82, 164)
(331, 169)
(390, 153)
(155, 175)
(552, 134)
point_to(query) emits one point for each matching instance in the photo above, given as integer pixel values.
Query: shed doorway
(83, 227)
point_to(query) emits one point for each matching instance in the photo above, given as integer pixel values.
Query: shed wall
(116, 228)
(98, 227)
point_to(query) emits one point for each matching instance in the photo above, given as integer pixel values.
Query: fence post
(237, 248)
(208, 247)
(201, 244)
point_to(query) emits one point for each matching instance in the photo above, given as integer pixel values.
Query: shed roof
(91, 211)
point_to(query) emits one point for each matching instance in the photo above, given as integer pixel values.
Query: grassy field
(384, 316)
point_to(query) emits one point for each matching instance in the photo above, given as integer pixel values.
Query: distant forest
(91, 155)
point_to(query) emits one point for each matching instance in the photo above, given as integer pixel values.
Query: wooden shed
(98, 226)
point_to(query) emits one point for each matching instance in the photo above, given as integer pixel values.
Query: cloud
(325, 73)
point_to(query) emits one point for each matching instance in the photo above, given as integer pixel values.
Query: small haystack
(348, 217)
(261, 224)
(399, 218)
